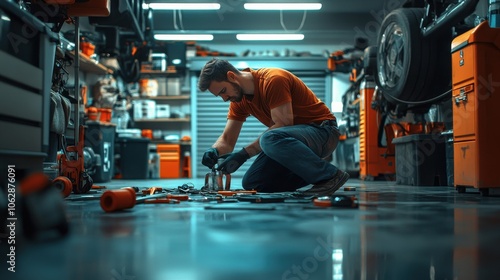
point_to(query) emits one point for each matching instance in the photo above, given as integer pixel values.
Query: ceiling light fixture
(282, 6)
(184, 6)
(269, 37)
(184, 37)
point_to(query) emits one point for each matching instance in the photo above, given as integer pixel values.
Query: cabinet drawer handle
(463, 94)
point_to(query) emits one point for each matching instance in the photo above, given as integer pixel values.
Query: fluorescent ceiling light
(184, 37)
(184, 6)
(269, 37)
(282, 6)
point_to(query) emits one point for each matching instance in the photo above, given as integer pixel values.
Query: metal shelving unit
(25, 80)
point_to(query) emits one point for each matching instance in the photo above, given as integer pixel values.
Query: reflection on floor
(398, 232)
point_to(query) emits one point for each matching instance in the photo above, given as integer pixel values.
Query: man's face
(228, 91)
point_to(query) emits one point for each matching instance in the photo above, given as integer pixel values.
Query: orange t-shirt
(275, 87)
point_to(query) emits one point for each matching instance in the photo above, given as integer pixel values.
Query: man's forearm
(222, 146)
(254, 148)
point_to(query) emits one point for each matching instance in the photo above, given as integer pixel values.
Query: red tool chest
(374, 160)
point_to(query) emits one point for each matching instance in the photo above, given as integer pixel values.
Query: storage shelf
(164, 97)
(159, 141)
(306, 63)
(164, 120)
(89, 65)
(167, 73)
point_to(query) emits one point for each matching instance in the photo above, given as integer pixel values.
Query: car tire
(406, 61)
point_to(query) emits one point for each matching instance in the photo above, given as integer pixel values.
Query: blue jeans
(292, 157)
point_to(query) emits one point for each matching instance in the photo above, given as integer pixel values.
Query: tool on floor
(270, 198)
(214, 180)
(236, 192)
(336, 200)
(207, 198)
(116, 200)
(179, 197)
(239, 207)
(155, 190)
(121, 199)
(218, 198)
(152, 190)
(188, 188)
(228, 200)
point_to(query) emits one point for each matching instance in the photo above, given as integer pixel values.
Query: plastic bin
(169, 155)
(133, 157)
(101, 138)
(420, 160)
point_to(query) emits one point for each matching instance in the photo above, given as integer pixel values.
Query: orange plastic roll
(114, 200)
(33, 182)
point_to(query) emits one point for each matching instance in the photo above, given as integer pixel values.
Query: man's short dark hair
(214, 70)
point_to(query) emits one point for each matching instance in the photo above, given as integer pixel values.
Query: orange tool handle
(322, 202)
(180, 197)
(231, 193)
(152, 190)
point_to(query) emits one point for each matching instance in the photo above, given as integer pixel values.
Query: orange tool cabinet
(476, 99)
(374, 160)
(169, 160)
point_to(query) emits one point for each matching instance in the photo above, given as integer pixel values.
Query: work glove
(233, 161)
(210, 157)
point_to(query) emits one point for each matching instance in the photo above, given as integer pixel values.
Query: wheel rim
(391, 55)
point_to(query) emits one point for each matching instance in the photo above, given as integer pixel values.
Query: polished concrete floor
(397, 232)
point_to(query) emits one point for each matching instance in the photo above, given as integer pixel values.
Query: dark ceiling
(339, 22)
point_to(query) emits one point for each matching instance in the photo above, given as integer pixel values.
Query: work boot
(328, 187)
